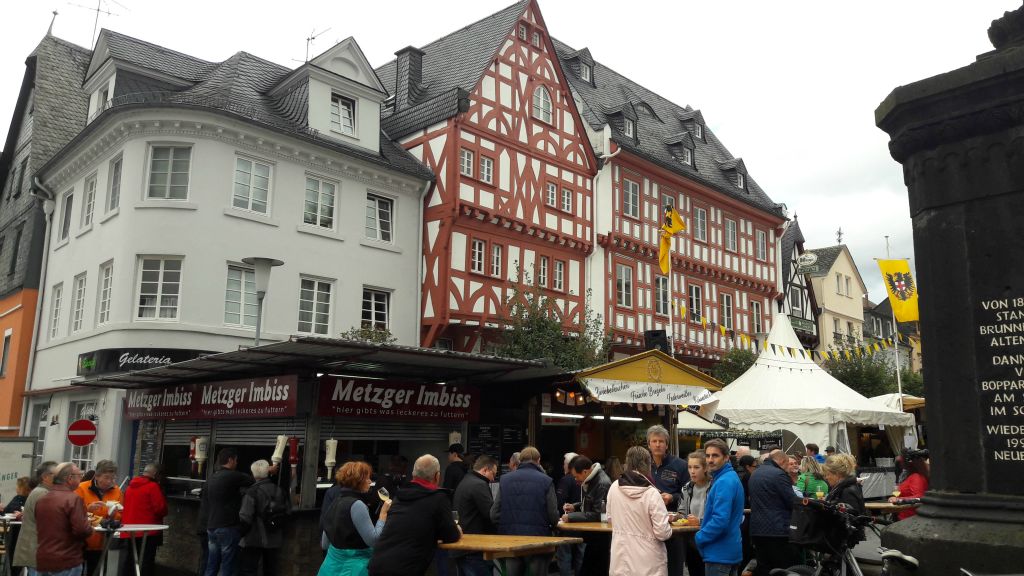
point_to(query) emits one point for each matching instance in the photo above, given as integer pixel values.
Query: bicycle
(834, 556)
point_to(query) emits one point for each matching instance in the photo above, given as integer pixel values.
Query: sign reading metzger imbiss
(359, 398)
(267, 397)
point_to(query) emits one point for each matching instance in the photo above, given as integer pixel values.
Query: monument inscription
(1000, 357)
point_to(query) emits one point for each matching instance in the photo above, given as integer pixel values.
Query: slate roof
(826, 258)
(451, 63)
(238, 86)
(659, 123)
(59, 107)
(790, 238)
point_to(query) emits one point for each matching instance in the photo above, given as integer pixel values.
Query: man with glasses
(62, 527)
(95, 493)
(25, 553)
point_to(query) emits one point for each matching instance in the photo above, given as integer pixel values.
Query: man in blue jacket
(526, 505)
(718, 539)
(771, 508)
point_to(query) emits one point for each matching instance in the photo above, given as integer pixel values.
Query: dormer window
(686, 156)
(536, 39)
(698, 131)
(741, 181)
(522, 32)
(343, 115)
(629, 128)
(586, 72)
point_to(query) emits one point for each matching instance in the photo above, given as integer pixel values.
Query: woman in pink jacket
(639, 520)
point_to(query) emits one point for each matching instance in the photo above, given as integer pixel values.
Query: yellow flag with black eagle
(901, 288)
(672, 226)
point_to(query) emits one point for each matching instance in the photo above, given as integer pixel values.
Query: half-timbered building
(487, 108)
(798, 300)
(722, 282)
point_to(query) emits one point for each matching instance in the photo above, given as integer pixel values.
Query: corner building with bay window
(181, 169)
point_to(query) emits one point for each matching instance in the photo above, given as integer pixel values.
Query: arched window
(542, 104)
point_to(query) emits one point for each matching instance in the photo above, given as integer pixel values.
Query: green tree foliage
(534, 330)
(733, 364)
(368, 334)
(868, 374)
(913, 382)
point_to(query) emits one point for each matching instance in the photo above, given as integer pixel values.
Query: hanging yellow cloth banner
(901, 288)
(672, 226)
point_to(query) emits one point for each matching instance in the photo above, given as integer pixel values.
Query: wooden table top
(887, 508)
(607, 527)
(495, 546)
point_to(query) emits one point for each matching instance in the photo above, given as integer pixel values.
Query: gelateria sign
(265, 397)
(114, 360)
(362, 398)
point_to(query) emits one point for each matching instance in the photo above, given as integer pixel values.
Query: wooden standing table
(499, 547)
(607, 527)
(887, 508)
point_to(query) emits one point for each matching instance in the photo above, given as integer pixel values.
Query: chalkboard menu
(1000, 363)
(513, 439)
(150, 443)
(485, 439)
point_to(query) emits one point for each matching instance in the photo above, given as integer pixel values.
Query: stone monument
(960, 139)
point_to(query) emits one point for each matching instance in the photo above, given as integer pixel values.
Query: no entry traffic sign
(81, 432)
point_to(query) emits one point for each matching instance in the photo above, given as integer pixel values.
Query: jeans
(223, 544)
(711, 569)
(76, 571)
(569, 558)
(251, 557)
(475, 565)
(527, 565)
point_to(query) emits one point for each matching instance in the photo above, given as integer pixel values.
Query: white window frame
(542, 271)
(698, 130)
(839, 283)
(89, 200)
(82, 456)
(668, 199)
(586, 72)
(67, 206)
(630, 198)
(696, 302)
(162, 293)
(700, 224)
(559, 277)
(541, 104)
(5, 355)
(552, 195)
(496, 258)
(522, 32)
(536, 39)
(114, 174)
(486, 169)
(755, 311)
(339, 103)
(373, 301)
(726, 311)
(847, 278)
(320, 217)
(245, 185)
(629, 128)
(319, 323)
(466, 162)
(837, 326)
(477, 253)
(730, 235)
(241, 296)
(166, 186)
(661, 296)
(567, 200)
(104, 291)
(741, 180)
(624, 285)
(77, 317)
(56, 299)
(762, 245)
(379, 233)
(796, 300)
(687, 156)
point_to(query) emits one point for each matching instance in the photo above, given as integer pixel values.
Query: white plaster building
(185, 168)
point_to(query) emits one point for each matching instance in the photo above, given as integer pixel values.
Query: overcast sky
(789, 86)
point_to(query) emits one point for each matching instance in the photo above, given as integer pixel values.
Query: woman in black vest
(349, 528)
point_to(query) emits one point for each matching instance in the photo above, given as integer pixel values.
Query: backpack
(275, 512)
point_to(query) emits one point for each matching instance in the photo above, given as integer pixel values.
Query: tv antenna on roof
(102, 7)
(313, 35)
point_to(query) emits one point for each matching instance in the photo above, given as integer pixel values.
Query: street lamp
(261, 267)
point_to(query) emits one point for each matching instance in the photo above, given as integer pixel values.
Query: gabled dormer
(735, 171)
(693, 122)
(581, 65)
(623, 120)
(343, 95)
(682, 148)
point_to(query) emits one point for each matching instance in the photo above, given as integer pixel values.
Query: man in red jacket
(62, 524)
(144, 503)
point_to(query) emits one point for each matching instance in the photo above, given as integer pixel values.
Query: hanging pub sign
(115, 360)
(265, 397)
(362, 398)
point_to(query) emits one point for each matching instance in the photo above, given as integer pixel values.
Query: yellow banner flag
(672, 226)
(901, 288)
(703, 322)
(721, 328)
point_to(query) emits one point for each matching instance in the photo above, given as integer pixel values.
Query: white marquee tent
(787, 390)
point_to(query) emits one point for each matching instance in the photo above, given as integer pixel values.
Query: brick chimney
(408, 77)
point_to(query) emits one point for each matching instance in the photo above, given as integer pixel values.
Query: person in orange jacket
(95, 494)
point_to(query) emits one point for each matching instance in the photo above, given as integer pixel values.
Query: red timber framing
(489, 223)
(722, 275)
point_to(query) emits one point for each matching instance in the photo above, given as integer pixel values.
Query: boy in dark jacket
(421, 515)
(473, 502)
(771, 508)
